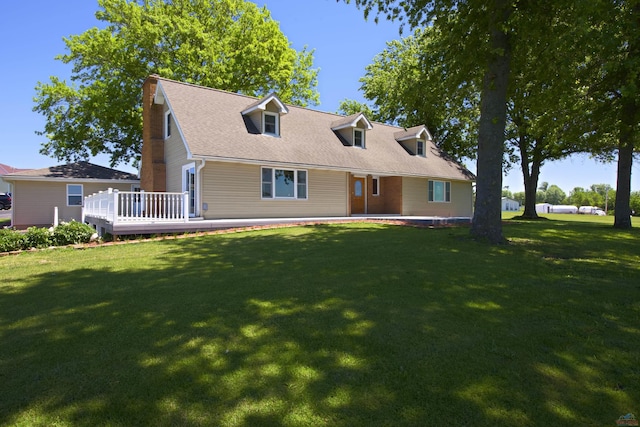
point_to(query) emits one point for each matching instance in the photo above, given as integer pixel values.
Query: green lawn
(337, 325)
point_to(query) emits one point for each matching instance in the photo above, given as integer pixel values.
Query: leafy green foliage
(226, 44)
(11, 240)
(38, 237)
(72, 232)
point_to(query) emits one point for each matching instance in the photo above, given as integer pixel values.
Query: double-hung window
(358, 138)
(284, 183)
(439, 191)
(420, 148)
(74, 194)
(270, 124)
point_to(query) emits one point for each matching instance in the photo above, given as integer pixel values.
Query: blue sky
(344, 44)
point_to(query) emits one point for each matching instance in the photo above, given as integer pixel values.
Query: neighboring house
(510, 204)
(38, 192)
(6, 187)
(242, 157)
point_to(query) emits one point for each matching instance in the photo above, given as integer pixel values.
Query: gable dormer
(414, 140)
(353, 129)
(265, 114)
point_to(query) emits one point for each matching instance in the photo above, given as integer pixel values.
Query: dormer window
(414, 140)
(358, 138)
(271, 123)
(352, 129)
(265, 114)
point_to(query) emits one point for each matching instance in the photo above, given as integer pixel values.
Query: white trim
(354, 123)
(262, 105)
(75, 195)
(160, 90)
(273, 183)
(444, 194)
(377, 187)
(417, 135)
(264, 123)
(363, 172)
(363, 139)
(185, 186)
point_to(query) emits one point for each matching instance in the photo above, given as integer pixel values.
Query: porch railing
(137, 206)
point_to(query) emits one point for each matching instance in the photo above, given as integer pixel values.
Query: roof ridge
(254, 98)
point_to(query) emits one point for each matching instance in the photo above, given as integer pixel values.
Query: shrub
(11, 240)
(38, 237)
(69, 233)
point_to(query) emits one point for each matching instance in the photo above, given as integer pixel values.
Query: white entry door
(189, 185)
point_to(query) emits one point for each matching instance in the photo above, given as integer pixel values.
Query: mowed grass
(335, 325)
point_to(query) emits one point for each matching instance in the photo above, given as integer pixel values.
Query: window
(439, 191)
(74, 194)
(284, 184)
(375, 189)
(358, 138)
(271, 124)
(420, 148)
(167, 125)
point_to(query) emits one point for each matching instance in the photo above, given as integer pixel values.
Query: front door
(189, 185)
(357, 196)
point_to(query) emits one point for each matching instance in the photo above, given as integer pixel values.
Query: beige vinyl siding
(34, 202)
(175, 156)
(415, 199)
(233, 190)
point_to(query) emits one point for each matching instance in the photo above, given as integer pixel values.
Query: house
(241, 157)
(39, 193)
(5, 187)
(510, 204)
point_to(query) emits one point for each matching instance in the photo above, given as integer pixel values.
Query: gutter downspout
(200, 181)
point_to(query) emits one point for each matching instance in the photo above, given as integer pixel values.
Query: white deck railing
(132, 206)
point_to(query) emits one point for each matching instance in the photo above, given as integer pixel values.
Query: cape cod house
(235, 156)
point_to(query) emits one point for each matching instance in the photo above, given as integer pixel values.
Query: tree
(613, 77)
(348, 107)
(555, 195)
(215, 43)
(406, 83)
(481, 33)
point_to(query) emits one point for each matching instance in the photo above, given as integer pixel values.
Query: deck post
(185, 206)
(116, 207)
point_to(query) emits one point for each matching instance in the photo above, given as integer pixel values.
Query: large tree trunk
(531, 189)
(625, 162)
(487, 219)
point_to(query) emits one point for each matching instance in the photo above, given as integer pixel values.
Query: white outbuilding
(510, 204)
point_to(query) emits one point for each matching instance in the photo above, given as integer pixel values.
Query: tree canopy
(226, 44)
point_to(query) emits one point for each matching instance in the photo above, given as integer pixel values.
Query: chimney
(153, 170)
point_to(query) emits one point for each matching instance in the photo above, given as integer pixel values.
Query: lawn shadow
(348, 325)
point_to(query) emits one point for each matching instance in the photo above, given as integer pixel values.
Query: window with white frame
(439, 191)
(74, 194)
(420, 148)
(167, 124)
(375, 186)
(284, 183)
(270, 123)
(358, 138)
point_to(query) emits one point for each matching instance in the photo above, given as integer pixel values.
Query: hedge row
(67, 233)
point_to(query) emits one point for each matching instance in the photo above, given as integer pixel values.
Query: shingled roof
(213, 128)
(71, 171)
